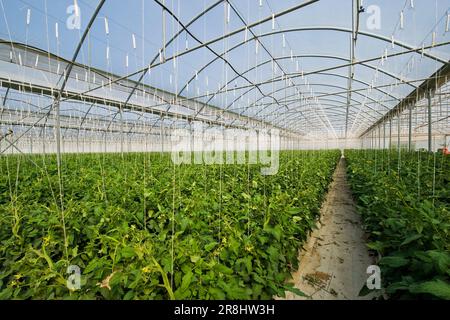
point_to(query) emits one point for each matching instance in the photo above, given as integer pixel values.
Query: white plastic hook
(76, 8)
(133, 38)
(28, 16)
(106, 26)
(447, 23)
(401, 19)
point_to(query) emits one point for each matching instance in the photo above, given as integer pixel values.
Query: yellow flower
(146, 269)
(47, 240)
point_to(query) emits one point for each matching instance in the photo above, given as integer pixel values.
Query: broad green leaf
(394, 261)
(436, 287)
(127, 252)
(195, 258)
(295, 290)
(411, 239)
(210, 246)
(223, 269)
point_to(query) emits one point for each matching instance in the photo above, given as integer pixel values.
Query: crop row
(404, 199)
(140, 227)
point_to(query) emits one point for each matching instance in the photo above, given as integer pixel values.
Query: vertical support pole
(379, 137)
(162, 139)
(58, 135)
(390, 133)
(384, 134)
(164, 32)
(371, 139)
(398, 132)
(121, 130)
(429, 121)
(398, 145)
(409, 128)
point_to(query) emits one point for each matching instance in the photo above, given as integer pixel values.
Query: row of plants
(140, 227)
(404, 200)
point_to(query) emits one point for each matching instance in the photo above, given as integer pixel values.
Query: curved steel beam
(319, 28)
(68, 69)
(335, 57)
(325, 85)
(321, 84)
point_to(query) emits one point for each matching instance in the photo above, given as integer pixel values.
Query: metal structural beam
(435, 81)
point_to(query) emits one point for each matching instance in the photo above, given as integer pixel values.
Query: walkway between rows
(334, 260)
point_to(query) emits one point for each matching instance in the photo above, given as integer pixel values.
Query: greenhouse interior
(225, 150)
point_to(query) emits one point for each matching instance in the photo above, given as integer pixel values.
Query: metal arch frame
(297, 74)
(335, 28)
(335, 112)
(300, 56)
(340, 87)
(292, 116)
(356, 90)
(66, 75)
(296, 100)
(292, 112)
(431, 56)
(392, 75)
(283, 88)
(221, 56)
(331, 116)
(184, 28)
(318, 28)
(299, 123)
(202, 44)
(182, 53)
(325, 85)
(290, 30)
(356, 102)
(412, 50)
(321, 84)
(335, 107)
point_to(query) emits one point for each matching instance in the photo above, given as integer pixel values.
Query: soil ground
(335, 258)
